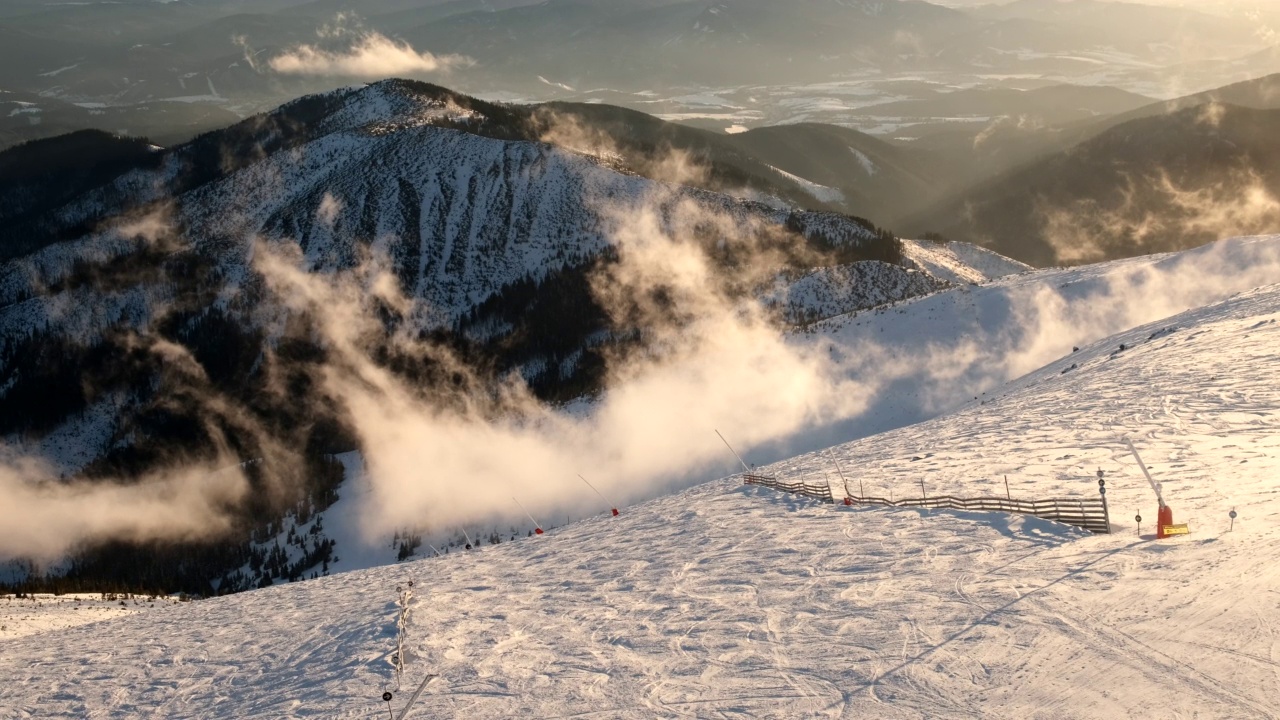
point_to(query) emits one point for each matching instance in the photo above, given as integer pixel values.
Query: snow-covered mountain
(496, 243)
(733, 600)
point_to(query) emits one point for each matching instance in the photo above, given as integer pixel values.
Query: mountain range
(119, 254)
(635, 52)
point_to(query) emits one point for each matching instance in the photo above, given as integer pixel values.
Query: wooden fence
(1088, 513)
(820, 492)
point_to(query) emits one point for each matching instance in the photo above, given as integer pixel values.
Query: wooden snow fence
(819, 492)
(1088, 513)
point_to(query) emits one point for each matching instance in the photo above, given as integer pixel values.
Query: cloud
(1156, 212)
(710, 360)
(250, 57)
(43, 517)
(329, 209)
(568, 131)
(369, 55)
(152, 225)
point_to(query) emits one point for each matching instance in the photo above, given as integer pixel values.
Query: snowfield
(41, 612)
(729, 601)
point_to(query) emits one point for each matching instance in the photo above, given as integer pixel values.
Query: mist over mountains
(150, 299)
(234, 255)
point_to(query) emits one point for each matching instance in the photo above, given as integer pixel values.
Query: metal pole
(1154, 485)
(404, 712)
(536, 527)
(598, 492)
(1006, 489)
(843, 479)
(1102, 490)
(735, 452)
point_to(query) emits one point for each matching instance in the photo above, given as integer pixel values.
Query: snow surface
(959, 262)
(41, 612)
(729, 601)
(821, 193)
(867, 165)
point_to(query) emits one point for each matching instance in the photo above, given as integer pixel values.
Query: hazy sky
(1197, 4)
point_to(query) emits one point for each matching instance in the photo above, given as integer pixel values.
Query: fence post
(1102, 490)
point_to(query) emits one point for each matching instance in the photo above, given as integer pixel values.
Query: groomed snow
(725, 601)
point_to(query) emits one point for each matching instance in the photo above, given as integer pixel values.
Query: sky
(1207, 5)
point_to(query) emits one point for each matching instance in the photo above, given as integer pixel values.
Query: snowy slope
(959, 262)
(41, 612)
(727, 601)
(932, 354)
(826, 292)
(928, 356)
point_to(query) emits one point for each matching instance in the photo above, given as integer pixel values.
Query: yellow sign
(1176, 529)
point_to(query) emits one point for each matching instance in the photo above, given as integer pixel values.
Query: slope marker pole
(613, 508)
(537, 529)
(1006, 489)
(843, 479)
(745, 469)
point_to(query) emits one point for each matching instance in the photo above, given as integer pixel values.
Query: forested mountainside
(139, 330)
(1170, 181)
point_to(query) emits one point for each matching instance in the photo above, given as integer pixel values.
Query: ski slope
(36, 613)
(726, 601)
